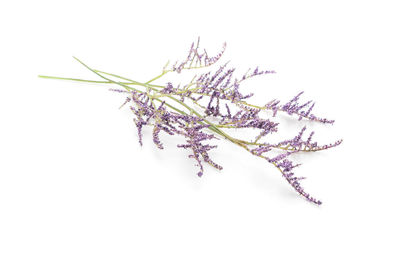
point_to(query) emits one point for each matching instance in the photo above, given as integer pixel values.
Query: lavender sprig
(175, 110)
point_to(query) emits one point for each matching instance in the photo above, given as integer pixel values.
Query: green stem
(157, 77)
(213, 127)
(72, 79)
(130, 80)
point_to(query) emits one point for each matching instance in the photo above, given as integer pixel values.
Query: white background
(74, 179)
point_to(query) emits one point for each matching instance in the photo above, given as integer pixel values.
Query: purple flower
(212, 104)
(287, 167)
(294, 107)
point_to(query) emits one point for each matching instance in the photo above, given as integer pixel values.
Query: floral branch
(208, 106)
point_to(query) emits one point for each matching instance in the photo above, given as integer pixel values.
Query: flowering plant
(210, 104)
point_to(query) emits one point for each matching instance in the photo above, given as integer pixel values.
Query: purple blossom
(287, 167)
(194, 137)
(213, 102)
(294, 107)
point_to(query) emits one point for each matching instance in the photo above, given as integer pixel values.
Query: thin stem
(72, 79)
(116, 82)
(213, 127)
(157, 77)
(129, 80)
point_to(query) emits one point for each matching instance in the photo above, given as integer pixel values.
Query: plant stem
(213, 127)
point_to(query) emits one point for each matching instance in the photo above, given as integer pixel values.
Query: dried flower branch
(174, 110)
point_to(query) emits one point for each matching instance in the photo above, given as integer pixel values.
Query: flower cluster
(209, 106)
(293, 107)
(197, 58)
